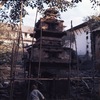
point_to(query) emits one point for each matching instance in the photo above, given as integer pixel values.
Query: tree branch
(2, 3)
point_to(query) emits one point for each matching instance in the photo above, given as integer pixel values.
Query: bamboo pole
(45, 79)
(31, 59)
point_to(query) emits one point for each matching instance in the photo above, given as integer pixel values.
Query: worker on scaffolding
(36, 94)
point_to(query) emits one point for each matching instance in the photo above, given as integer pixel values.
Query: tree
(2, 3)
(93, 21)
(15, 7)
(8, 37)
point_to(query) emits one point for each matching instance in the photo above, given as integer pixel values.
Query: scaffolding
(70, 78)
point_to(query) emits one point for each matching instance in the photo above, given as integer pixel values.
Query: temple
(48, 58)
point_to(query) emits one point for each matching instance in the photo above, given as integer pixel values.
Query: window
(25, 34)
(87, 37)
(87, 33)
(87, 46)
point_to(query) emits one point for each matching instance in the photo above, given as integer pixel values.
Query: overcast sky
(76, 14)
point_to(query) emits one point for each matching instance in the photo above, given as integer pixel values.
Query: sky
(76, 14)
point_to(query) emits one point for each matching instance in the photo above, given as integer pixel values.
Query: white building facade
(83, 39)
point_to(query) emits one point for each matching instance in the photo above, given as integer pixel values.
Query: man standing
(36, 94)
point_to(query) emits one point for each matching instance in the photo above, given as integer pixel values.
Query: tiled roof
(97, 29)
(78, 26)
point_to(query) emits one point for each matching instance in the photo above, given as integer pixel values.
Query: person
(36, 94)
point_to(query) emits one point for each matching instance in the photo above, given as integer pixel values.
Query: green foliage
(95, 3)
(6, 39)
(15, 7)
(5, 53)
(93, 21)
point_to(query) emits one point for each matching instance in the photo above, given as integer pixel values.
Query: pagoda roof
(48, 33)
